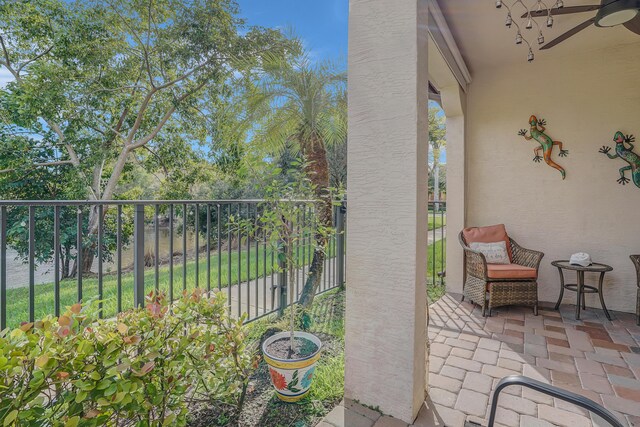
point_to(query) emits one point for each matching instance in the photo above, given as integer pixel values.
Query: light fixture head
(616, 12)
(540, 38)
(498, 4)
(559, 4)
(550, 21)
(530, 57)
(509, 20)
(529, 24)
(518, 38)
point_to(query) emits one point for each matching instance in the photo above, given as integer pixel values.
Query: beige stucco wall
(454, 104)
(585, 99)
(385, 338)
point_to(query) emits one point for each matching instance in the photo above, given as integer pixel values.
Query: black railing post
(138, 256)
(3, 267)
(340, 217)
(282, 277)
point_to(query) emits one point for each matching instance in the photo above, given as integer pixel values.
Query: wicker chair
(503, 291)
(636, 262)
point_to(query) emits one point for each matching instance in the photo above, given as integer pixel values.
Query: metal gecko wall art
(546, 144)
(624, 151)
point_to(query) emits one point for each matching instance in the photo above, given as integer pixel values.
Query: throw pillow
(494, 252)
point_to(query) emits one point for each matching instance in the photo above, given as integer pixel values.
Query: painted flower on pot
(279, 382)
(307, 378)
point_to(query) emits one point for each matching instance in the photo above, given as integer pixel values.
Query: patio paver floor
(594, 357)
(469, 354)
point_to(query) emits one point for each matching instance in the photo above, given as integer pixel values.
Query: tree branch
(141, 111)
(7, 61)
(73, 156)
(39, 165)
(34, 59)
(137, 37)
(165, 118)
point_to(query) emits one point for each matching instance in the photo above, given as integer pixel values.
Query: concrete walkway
(260, 296)
(440, 233)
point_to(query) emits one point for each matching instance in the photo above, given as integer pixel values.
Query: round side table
(580, 288)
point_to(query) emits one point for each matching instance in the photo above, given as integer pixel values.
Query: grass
(329, 380)
(437, 222)
(434, 290)
(18, 298)
(327, 390)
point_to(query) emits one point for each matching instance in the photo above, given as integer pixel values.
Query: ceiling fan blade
(634, 24)
(563, 10)
(571, 32)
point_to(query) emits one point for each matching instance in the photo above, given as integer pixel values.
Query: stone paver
(478, 382)
(593, 357)
(386, 421)
(472, 403)
(445, 383)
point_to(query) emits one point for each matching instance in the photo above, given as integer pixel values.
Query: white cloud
(5, 77)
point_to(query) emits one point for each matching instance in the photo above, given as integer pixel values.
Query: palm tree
(300, 106)
(437, 141)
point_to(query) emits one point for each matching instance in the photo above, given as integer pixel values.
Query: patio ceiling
(484, 41)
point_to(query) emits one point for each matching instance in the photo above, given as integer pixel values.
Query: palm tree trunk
(317, 170)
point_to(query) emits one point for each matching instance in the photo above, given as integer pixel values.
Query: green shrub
(142, 368)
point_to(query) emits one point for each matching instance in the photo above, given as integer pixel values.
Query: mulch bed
(263, 409)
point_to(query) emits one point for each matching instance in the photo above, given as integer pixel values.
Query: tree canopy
(105, 93)
(99, 83)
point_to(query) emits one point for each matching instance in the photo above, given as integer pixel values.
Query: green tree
(437, 142)
(298, 106)
(19, 181)
(105, 80)
(337, 157)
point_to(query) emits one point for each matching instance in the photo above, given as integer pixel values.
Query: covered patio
(594, 357)
(443, 371)
(469, 354)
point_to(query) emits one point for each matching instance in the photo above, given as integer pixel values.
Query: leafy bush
(142, 368)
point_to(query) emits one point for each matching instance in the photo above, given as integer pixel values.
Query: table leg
(561, 289)
(604, 307)
(580, 280)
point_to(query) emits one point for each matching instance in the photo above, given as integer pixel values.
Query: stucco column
(453, 103)
(387, 206)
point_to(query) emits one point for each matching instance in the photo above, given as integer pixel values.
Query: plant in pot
(285, 223)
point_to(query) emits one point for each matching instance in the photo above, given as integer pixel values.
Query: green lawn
(434, 290)
(18, 299)
(438, 221)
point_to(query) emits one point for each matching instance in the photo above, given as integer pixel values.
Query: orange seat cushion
(510, 271)
(489, 234)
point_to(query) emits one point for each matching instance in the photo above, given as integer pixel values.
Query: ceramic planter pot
(291, 378)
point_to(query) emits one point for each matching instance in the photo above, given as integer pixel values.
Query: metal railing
(167, 245)
(553, 391)
(437, 256)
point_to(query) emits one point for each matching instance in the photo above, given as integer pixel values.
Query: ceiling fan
(609, 13)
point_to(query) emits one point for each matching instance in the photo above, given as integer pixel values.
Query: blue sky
(321, 24)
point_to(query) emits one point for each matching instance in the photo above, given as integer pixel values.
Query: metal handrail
(553, 391)
(210, 221)
(134, 202)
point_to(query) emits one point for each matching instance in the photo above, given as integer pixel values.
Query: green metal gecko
(627, 155)
(546, 144)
